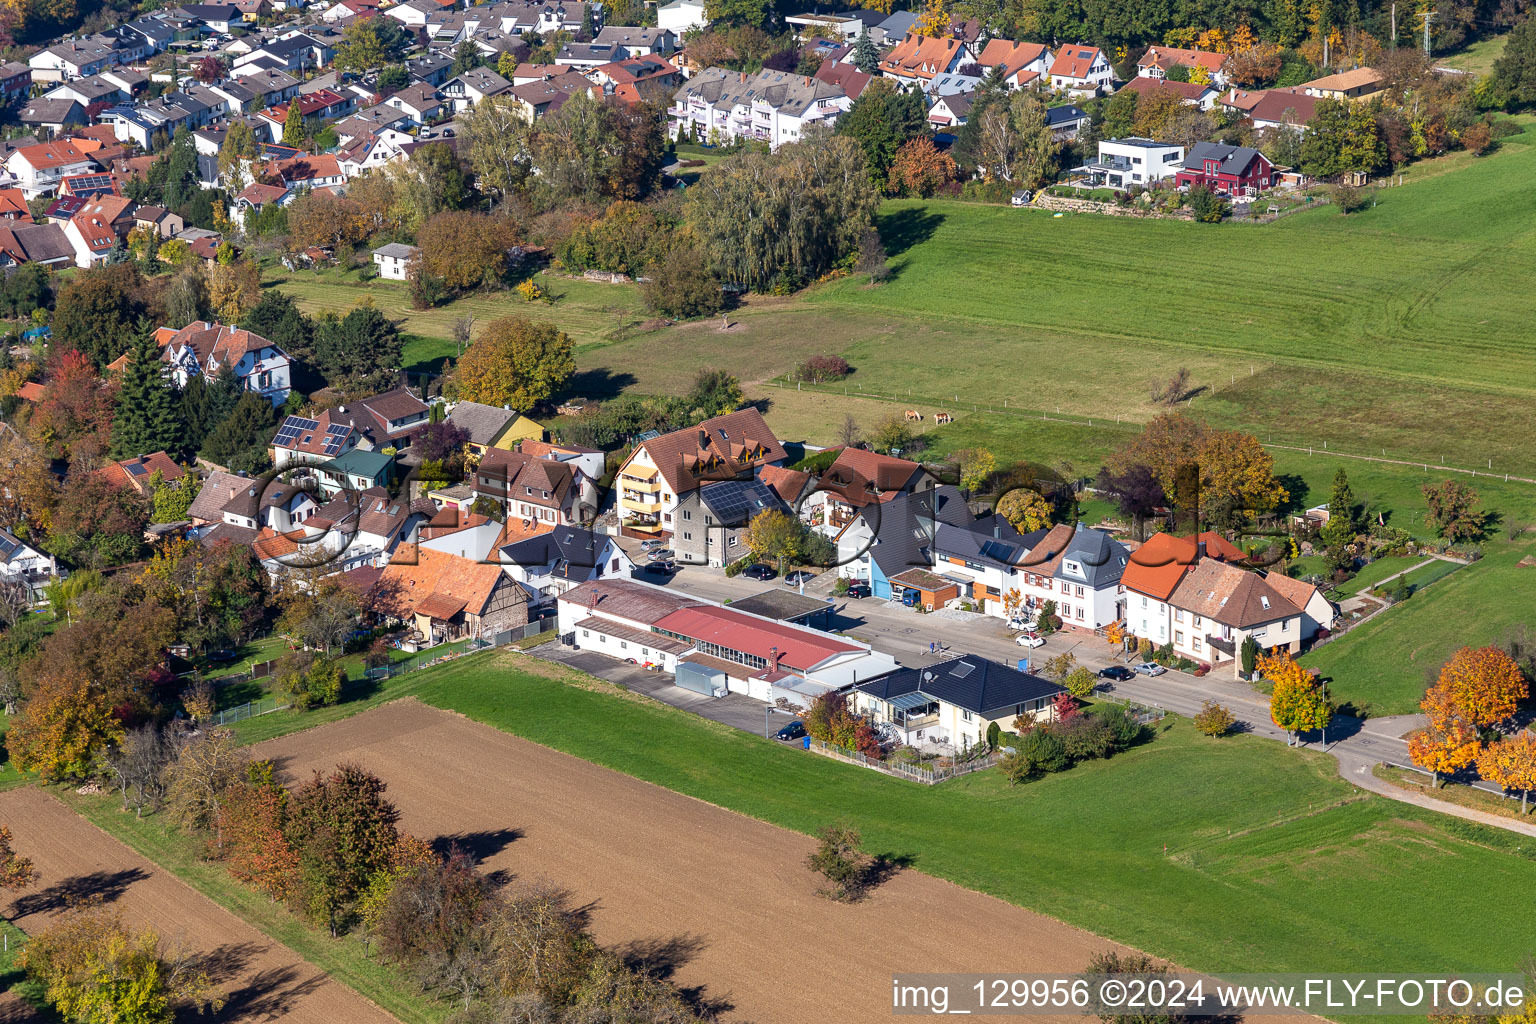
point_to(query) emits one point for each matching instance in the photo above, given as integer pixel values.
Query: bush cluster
(1058, 745)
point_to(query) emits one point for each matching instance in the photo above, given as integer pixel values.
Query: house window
(687, 514)
(1143, 602)
(585, 633)
(1079, 591)
(1197, 620)
(1178, 637)
(687, 535)
(1196, 645)
(965, 715)
(623, 646)
(734, 540)
(1178, 615)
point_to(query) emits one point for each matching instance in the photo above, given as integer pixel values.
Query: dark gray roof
(899, 24)
(904, 527)
(781, 603)
(55, 111)
(1234, 159)
(43, 242)
(975, 684)
(1101, 558)
(990, 540)
(483, 423)
(571, 552)
(1058, 116)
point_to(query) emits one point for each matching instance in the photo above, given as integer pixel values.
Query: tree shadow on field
(1296, 491)
(479, 845)
(598, 384)
(906, 228)
(97, 887)
(269, 995)
(661, 958)
(883, 867)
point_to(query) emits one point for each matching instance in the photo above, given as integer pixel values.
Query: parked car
(447, 133)
(1116, 672)
(859, 590)
(1027, 625)
(1030, 640)
(1150, 668)
(799, 576)
(661, 568)
(793, 731)
(910, 598)
(759, 571)
(664, 555)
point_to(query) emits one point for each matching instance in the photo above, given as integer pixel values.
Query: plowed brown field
(725, 899)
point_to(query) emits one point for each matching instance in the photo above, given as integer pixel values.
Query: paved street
(906, 634)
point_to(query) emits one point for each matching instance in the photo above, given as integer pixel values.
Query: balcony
(642, 503)
(640, 484)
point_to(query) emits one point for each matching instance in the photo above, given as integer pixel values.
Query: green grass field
(1271, 860)
(1476, 57)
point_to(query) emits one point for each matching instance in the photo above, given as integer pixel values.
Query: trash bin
(807, 742)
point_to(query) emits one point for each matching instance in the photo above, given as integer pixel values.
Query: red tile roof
(1074, 60)
(1156, 567)
(921, 56)
(1165, 57)
(718, 448)
(800, 649)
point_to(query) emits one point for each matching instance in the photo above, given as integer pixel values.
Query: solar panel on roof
(135, 470)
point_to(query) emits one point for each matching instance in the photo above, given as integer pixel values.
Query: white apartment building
(771, 106)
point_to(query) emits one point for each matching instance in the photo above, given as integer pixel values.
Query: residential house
(413, 13)
(634, 79)
(855, 480)
(889, 538)
(1065, 122)
(662, 469)
(549, 94)
(308, 172)
(272, 86)
(24, 565)
(682, 16)
(1159, 60)
(13, 206)
(323, 104)
(305, 440)
(15, 81)
(554, 561)
(770, 106)
(1190, 592)
(420, 101)
(1201, 97)
(355, 470)
(951, 705)
(1133, 162)
(493, 426)
(535, 489)
(386, 420)
(844, 76)
(712, 520)
(464, 90)
(95, 89)
(1081, 71)
(444, 597)
(34, 243)
(53, 115)
(1359, 84)
(255, 198)
(949, 83)
(218, 17)
(139, 470)
(917, 58)
(1291, 109)
(949, 113)
(73, 58)
(1021, 63)
(1318, 614)
(38, 168)
(637, 42)
(207, 348)
(845, 25)
(394, 260)
(1230, 170)
(96, 230)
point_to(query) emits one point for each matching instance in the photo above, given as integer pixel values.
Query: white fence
(927, 774)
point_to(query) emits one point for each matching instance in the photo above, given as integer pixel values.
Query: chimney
(773, 658)
(1199, 551)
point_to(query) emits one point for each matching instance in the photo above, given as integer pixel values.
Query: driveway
(734, 709)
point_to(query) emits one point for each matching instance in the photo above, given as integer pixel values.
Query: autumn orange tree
(1485, 684)
(1450, 742)
(466, 249)
(1511, 762)
(515, 362)
(920, 169)
(1297, 702)
(1025, 509)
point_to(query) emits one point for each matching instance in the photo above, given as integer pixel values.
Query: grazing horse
(943, 417)
(913, 414)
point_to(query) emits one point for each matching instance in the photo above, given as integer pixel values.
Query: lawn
(1375, 572)
(1477, 57)
(1387, 663)
(1143, 848)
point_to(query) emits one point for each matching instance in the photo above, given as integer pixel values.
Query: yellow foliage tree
(1297, 702)
(934, 21)
(1484, 683)
(62, 730)
(1450, 743)
(1511, 763)
(515, 362)
(1025, 509)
